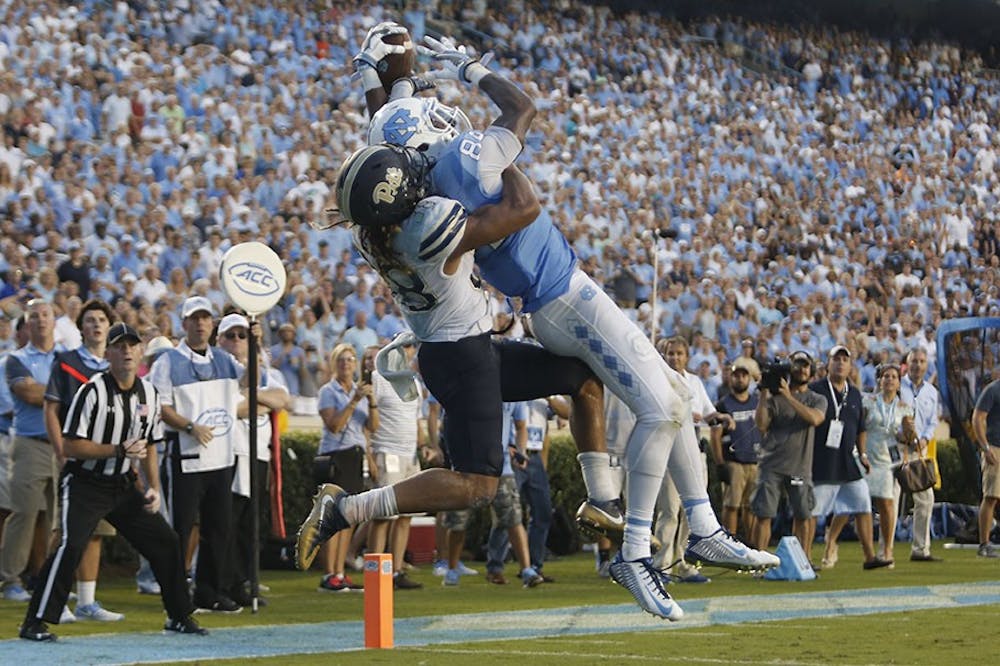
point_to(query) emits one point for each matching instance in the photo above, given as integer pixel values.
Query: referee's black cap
(120, 332)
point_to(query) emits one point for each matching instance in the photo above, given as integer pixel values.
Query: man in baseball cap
(196, 304)
(120, 332)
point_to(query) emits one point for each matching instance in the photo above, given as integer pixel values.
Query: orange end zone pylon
(378, 600)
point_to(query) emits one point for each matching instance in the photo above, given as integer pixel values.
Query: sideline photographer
(787, 415)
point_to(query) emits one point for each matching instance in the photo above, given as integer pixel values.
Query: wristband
(369, 78)
(189, 428)
(473, 72)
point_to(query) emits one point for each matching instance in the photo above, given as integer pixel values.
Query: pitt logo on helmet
(253, 278)
(385, 191)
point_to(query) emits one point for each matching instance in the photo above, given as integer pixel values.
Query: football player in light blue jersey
(422, 247)
(573, 316)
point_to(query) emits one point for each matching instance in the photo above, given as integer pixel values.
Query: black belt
(534, 452)
(37, 439)
(77, 469)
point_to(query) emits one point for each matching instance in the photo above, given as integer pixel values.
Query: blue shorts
(842, 498)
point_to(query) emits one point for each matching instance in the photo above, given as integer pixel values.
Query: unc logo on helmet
(218, 419)
(400, 126)
(253, 279)
(418, 122)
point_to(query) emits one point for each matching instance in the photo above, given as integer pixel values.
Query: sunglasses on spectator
(232, 335)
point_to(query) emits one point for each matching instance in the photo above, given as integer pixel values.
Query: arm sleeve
(16, 371)
(499, 150)
(159, 375)
(155, 434)
(56, 388)
(987, 399)
(81, 413)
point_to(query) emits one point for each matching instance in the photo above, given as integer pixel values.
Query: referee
(110, 432)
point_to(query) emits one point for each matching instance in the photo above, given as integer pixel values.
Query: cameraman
(787, 416)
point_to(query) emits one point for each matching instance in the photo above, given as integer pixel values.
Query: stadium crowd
(756, 189)
(846, 195)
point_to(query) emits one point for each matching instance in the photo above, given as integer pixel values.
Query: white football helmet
(418, 122)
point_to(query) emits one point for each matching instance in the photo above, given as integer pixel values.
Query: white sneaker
(647, 586)
(466, 571)
(14, 592)
(95, 613)
(66, 617)
(720, 549)
(440, 568)
(147, 586)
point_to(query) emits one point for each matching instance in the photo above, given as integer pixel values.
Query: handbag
(324, 469)
(916, 475)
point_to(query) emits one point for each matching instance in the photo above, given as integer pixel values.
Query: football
(397, 65)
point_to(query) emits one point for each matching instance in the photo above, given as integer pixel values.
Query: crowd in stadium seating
(845, 189)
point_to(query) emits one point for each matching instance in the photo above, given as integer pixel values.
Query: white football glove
(457, 62)
(374, 49)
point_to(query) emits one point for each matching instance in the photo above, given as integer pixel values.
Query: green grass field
(942, 636)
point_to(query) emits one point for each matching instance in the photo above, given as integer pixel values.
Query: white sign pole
(253, 278)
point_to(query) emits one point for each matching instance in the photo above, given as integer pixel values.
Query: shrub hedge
(299, 448)
(564, 477)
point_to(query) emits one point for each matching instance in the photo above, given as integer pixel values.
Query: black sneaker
(185, 626)
(222, 604)
(36, 630)
(401, 581)
(876, 563)
(242, 598)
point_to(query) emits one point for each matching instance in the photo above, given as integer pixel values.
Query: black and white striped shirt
(105, 414)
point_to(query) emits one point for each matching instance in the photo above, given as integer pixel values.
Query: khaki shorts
(394, 468)
(742, 481)
(991, 475)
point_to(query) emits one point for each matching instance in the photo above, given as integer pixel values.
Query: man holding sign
(110, 433)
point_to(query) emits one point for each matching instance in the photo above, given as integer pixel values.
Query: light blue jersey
(534, 263)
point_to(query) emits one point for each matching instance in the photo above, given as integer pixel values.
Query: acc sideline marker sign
(253, 277)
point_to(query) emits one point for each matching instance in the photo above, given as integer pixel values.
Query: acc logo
(218, 419)
(385, 191)
(253, 279)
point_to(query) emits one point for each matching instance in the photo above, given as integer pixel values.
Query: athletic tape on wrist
(369, 78)
(474, 72)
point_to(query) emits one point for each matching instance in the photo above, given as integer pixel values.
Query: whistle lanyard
(837, 406)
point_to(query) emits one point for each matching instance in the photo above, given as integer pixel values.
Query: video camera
(772, 373)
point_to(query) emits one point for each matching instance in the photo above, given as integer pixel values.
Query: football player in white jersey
(422, 248)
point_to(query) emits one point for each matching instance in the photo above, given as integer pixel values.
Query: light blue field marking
(285, 639)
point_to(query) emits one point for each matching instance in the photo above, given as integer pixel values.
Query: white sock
(638, 527)
(85, 592)
(376, 503)
(701, 518)
(687, 471)
(646, 457)
(596, 469)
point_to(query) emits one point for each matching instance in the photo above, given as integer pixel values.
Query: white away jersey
(438, 307)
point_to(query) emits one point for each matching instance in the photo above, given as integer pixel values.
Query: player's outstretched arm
(516, 108)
